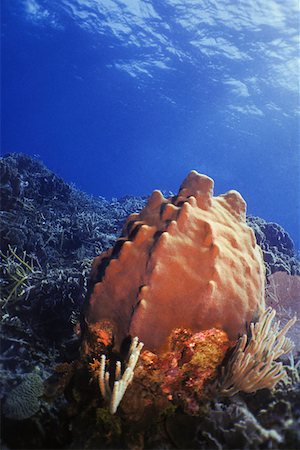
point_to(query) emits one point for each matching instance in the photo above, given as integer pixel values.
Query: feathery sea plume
(254, 365)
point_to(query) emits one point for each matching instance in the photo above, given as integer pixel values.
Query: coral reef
(61, 229)
(44, 216)
(50, 231)
(189, 260)
(277, 246)
(234, 426)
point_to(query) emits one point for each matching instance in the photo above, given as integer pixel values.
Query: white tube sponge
(115, 396)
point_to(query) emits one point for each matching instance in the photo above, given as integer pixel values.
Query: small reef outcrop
(277, 246)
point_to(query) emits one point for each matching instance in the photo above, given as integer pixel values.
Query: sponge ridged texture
(186, 261)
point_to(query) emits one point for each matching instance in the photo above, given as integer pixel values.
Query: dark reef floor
(50, 232)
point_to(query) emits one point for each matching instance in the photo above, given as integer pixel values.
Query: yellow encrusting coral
(193, 363)
(182, 374)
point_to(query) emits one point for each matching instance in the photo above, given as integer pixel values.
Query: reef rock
(277, 246)
(186, 261)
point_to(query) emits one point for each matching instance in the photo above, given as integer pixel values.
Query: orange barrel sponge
(187, 261)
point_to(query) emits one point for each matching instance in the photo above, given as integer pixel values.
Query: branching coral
(293, 371)
(121, 382)
(18, 272)
(253, 365)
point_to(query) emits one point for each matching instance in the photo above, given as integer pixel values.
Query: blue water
(125, 96)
